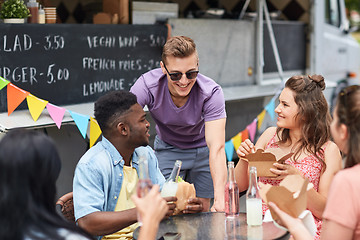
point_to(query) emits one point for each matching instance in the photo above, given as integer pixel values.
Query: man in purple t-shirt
(189, 111)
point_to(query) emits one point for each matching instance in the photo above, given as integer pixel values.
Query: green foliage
(179, 179)
(14, 9)
(352, 4)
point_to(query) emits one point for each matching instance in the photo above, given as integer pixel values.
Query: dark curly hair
(111, 106)
(313, 116)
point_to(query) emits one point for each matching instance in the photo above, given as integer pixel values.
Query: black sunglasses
(177, 76)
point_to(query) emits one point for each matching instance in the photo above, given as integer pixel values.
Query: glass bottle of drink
(41, 15)
(144, 184)
(232, 207)
(253, 200)
(170, 186)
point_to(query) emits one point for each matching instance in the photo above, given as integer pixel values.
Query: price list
(70, 64)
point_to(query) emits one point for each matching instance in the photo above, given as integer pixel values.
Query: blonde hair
(180, 47)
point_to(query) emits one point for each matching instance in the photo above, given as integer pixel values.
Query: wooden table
(215, 226)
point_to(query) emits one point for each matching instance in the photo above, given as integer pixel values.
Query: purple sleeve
(141, 91)
(214, 107)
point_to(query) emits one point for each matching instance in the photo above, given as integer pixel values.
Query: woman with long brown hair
(303, 128)
(339, 222)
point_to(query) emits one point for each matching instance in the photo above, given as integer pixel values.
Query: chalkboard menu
(76, 63)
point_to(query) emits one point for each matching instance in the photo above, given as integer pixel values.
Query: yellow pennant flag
(95, 131)
(237, 140)
(260, 118)
(36, 106)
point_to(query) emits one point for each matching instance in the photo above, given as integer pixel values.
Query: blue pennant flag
(270, 108)
(229, 150)
(81, 121)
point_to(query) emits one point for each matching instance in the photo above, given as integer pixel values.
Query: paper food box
(289, 196)
(184, 192)
(263, 161)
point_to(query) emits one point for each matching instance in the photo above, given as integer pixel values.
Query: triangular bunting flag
(36, 106)
(267, 122)
(95, 131)
(15, 96)
(236, 140)
(81, 121)
(3, 82)
(260, 118)
(229, 150)
(244, 135)
(252, 130)
(270, 108)
(56, 113)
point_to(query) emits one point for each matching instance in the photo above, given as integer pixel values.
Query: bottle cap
(230, 164)
(32, 3)
(41, 9)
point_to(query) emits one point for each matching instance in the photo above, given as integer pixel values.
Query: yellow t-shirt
(124, 202)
